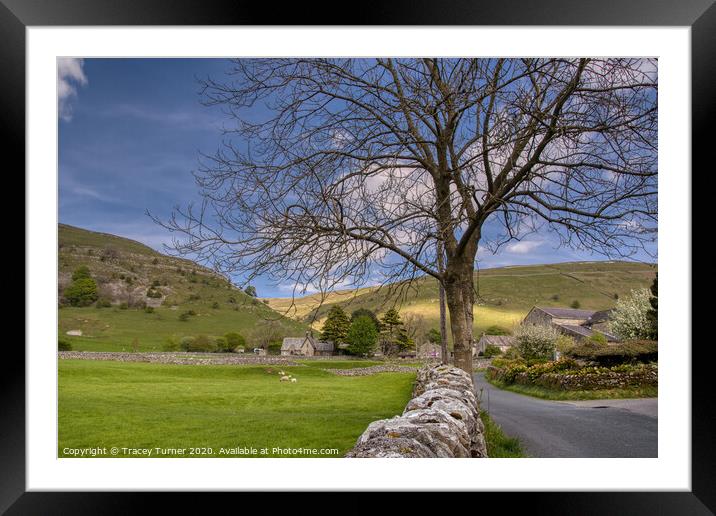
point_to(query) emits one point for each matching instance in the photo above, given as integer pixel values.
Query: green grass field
(137, 405)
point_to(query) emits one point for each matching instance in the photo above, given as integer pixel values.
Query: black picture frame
(700, 15)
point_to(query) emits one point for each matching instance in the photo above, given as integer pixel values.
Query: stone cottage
(307, 346)
(504, 342)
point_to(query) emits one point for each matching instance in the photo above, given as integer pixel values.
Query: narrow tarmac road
(595, 428)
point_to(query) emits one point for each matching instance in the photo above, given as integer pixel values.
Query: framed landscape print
(272, 264)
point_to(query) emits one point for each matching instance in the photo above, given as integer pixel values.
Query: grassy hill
(126, 271)
(506, 294)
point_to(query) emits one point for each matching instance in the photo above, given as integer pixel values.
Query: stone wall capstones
(441, 420)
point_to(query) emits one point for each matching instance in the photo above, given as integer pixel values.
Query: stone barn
(580, 324)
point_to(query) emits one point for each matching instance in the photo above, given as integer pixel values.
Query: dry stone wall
(441, 420)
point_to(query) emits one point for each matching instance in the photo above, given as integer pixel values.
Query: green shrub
(81, 292)
(215, 305)
(184, 316)
(171, 344)
(599, 339)
(103, 302)
(186, 343)
(535, 341)
(497, 330)
(123, 305)
(153, 293)
(491, 351)
(503, 362)
(81, 272)
(63, 345)
(235, 340)
(222, 345)
(204, 344)
(510, 372)
(575, 304)
(149, 309)
(564, 364)
(512, 353)
(564, 343)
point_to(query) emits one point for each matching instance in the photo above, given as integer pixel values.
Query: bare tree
(416, 328)
(339, 172)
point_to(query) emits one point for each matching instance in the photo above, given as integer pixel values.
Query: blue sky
(130, 133)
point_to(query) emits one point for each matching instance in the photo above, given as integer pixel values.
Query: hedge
(628, 351)
(566, 374)
(591, 378)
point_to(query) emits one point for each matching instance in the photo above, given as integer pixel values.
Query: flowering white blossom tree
(630, 318)
(536, 341)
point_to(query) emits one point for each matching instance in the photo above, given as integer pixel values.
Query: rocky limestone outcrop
(441, 420)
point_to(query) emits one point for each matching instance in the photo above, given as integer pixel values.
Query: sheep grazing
(285, 378)
(294, 380)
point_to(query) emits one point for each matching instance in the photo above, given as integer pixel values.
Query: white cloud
(297, 288)
(524, 247)
(178, 119)
(70, 75)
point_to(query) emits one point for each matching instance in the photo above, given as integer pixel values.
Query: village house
(504, 342)
(307, 346)
(580, 324)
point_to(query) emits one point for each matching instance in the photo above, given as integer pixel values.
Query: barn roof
(290, 343)
(566, 313)
(586, 332)
(497, 340)
(295, 343)
(579, 330)
(323, 346)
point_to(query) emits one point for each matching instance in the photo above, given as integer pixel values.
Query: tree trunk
(460, 300)
(444, 358)
(443, 328)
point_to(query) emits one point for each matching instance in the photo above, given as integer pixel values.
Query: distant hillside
(127, 271)
(505, 294)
